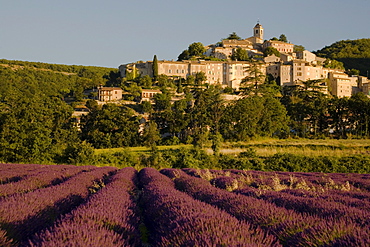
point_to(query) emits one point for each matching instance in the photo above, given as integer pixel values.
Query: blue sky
(111, 32)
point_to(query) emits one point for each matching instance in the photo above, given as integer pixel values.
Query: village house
(109, 94)
(78, 113)
(148, 94)
(342, 85)
(279, 45)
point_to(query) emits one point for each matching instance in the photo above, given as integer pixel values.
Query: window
(299, 74)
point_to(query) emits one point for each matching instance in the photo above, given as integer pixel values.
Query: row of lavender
(47, 193)
(109, 218)
(176, 219)
(34, 177)
(58, 206)
(309, 181)
(336, 195)
(294, 221)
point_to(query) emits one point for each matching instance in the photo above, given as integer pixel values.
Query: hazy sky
(111, 32)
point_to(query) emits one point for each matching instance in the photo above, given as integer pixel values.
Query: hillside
(35, 120)
(80, 70)
(354, 54)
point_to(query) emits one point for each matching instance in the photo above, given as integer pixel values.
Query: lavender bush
(109, 218)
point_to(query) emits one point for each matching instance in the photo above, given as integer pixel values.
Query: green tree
(352, 72)
(113, 79)
(228, 90)
(240, 121)
(134, 90)
(145, 81)
(165, 81)
(180, 88)
(92, 104)
(274, 119)
(307, 108)
(162, 101)
(79, 153)
(317, 109)
(233, 35)
(298, 48)
(271, 51)
(359, 108)
(253, 116)
(333, 64)
(270, 86)
(190, 79)
(254, 78)
(179, 119)
(155, 68)
(240, 55)
(338, 110)
(196, 49)
(205, 115)
(147, 107)
(132, 74)
(216, 143)
(151, 135)
(283, 38)
(185, 55)
(200, 78)
(110, 127)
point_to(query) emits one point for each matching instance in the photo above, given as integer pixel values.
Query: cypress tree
(155, 68)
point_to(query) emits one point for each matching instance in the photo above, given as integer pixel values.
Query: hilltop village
(289, 66)
(233, 91)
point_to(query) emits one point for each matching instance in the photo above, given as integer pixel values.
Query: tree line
(36, 123)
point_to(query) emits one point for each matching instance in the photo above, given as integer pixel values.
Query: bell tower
(258, 31)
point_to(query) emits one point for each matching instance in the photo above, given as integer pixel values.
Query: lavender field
(66, 205)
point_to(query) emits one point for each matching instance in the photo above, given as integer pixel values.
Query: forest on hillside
(37, 101)
(354, 54)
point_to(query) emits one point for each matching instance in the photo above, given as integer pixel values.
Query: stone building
(109, 94)
(341, 85)
(148, 94)
(279, 45)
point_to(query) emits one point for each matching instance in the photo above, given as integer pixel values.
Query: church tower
(258, 31)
